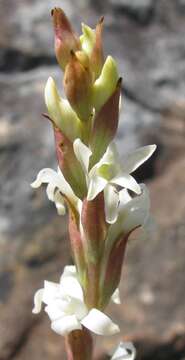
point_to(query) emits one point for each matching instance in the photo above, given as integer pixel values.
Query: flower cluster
(104, 201)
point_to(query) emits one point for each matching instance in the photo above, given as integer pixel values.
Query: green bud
(106, 84)
(61, 112)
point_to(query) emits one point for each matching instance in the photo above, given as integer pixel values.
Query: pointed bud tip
(56, 10)
(153, 147)
(119, 83)
(101, 20)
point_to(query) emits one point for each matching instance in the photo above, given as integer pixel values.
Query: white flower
(125, 351)
(56, 188)
(66, 308)
(110, 172)
(132, 213)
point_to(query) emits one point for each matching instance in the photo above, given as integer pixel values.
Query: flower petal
(69, 283)
(96, 185)
(49, 176)
(111, 197)
(82, 153)
(50, 191)
(116, 297)
(125, 351)
(136, 211)
(65, 325)
(59, 203)
(132, 161)
(56, 309)
(99, 323)
(38, 298)
(111, 156)
(51, 291)
(127, 181)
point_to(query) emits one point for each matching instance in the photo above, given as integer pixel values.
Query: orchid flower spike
(57, 189)
(110, 172)
(66, 308)
(125, 351)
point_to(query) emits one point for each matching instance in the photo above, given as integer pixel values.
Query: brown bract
(105, 125)
(97, 57)
(78, 87)
(94, 225)
(69, 164)
(65, 37)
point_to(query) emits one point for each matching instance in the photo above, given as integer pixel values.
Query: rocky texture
(140, 10)
(147, 38)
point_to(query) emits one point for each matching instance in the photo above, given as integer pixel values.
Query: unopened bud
(97, 58)
(61, 112)
(65, 37)
(106, 84)
(91, 42)
(83, 58)
(78, 87)
(87, 39)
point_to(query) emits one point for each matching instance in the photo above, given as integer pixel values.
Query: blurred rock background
(147, 39)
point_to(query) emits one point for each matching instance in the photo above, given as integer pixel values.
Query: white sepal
(99, 323)
(135, 159)
(111, 197)
(83, 154)
(116, 297)
(125, 351)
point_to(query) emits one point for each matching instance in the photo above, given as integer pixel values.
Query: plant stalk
(79, 345)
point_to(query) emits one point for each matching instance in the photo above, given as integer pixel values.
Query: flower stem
(79, 345)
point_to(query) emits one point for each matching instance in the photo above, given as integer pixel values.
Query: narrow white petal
(111, 197)
(65, 325)
(125, 351)
(59, 203)
(50, 191)
(132, 161)
(96, 185)
(127, 181)
(38, 298)
(99, 323)
(51, 291)
(111, 155)
(83, 154)
(116, 297)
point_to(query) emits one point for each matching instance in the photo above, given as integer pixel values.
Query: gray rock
(141, 10)
(181, 4)
(30, 28)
